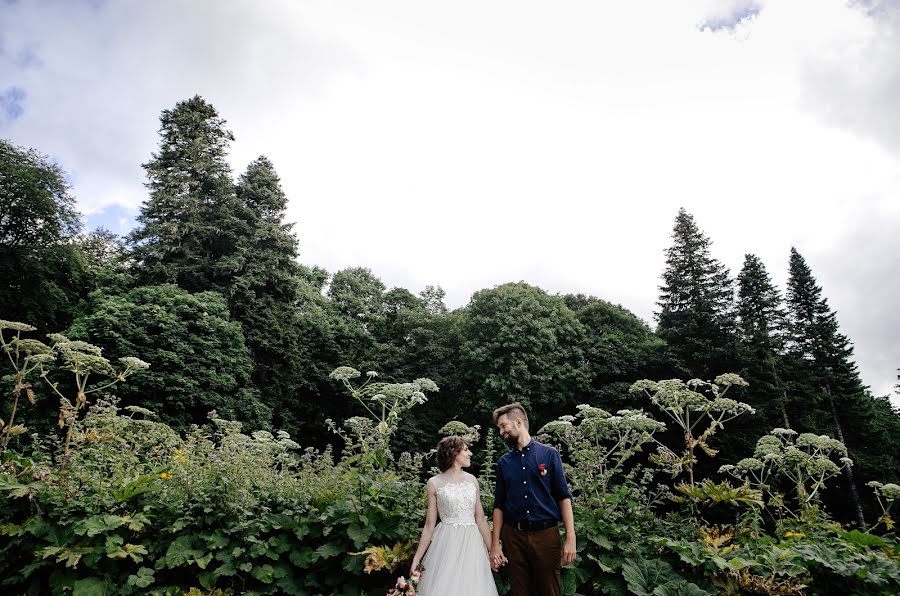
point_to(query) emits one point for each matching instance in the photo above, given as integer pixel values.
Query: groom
(530, 498)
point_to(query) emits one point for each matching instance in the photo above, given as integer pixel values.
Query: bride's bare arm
(481, 520)
(428, 528)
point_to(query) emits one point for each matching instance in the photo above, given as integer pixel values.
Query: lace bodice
(456, 503)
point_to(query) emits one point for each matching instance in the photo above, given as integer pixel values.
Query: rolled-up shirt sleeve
(559, 486)
(499, 489)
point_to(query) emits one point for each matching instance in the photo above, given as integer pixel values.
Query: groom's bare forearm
(498, 525)
(568, 518)
(496, 554)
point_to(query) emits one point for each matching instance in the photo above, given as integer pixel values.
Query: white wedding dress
(456, 563)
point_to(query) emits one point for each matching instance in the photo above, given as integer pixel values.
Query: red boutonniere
(542, 468)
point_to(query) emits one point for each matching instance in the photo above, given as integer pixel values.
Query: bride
(457, 561)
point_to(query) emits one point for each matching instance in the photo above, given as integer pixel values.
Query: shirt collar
(527, 447)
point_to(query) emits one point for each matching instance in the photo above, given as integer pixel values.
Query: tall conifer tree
(822, 358)
(761, 326)
(696, 304)
(264, 293)
(192, 223)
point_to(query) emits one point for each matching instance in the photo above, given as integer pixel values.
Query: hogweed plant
(886, 495)
(469, 434)
(700, 409)
(385, 404)
(26, 356)
(82, 359)
(599, 444)
(804, 461)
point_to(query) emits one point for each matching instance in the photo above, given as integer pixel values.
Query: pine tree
(761, 326)
(822, 360)
(696, 304)
(263, 293)
(192, 222)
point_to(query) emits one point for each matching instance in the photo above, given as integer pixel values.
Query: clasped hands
(497, 559)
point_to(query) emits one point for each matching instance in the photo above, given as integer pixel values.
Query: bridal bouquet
(404, 587)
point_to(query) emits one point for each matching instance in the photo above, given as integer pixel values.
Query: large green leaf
(644, 576)
(359, 534)
(98, 524)
(680, 588)
(863, 539)
(264, 573)
(327, 551)
(91, 586)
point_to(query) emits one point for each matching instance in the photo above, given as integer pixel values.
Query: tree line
(209, 288)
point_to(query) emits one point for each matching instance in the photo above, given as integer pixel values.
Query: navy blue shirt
(522, 492)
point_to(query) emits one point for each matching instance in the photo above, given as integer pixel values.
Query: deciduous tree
(45, 277)
(198, 358)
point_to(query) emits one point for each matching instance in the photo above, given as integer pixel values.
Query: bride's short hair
(447, 450)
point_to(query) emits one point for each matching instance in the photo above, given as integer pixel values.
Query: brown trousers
(534, 561)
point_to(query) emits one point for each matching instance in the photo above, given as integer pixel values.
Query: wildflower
(343, 373)
(165, 476)
(792, 534)
(16, 326)
(140, 410)
(425, 384)
(643, 385)
(731, 379)
(134, 363)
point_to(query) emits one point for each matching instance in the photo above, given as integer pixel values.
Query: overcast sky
(469, 144)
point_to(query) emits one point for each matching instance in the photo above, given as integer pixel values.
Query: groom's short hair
(513, 411)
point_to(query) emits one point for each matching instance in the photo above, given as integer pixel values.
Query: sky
(468, 144)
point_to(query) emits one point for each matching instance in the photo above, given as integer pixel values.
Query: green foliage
(618, 346)
(45, 277)
(143, 509)
(708, 492)
(522, 344)
(139, 508)
(657, 578)
(200, 360)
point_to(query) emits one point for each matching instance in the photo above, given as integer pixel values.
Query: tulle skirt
(456, 564)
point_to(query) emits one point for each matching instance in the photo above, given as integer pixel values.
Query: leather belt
(534, 526)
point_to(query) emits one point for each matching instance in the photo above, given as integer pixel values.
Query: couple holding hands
(531, 497)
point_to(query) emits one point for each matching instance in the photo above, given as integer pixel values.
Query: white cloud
(468, 144)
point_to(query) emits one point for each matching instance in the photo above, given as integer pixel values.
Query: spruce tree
(761, 326)
(696, 304)
(824, 372)
(263, 293)
(192, 223)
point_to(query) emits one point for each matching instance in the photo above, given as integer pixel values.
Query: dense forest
(211, 290)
